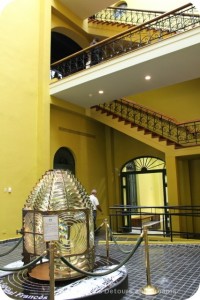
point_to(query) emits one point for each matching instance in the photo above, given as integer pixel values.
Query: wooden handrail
(135, 9)
(121, 34)
(162, 116)
(153, 112)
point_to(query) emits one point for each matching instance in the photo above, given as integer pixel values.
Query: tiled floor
(175, 268)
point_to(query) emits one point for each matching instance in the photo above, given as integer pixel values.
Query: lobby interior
(48, 122)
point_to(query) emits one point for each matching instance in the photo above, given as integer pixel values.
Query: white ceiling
(168, 62)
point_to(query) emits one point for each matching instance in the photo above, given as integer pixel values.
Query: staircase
(123, 17)
(152, 123)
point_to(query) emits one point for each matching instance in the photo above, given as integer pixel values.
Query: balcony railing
(181, 134)
(125, 16)
(150, 32)
(166, 221)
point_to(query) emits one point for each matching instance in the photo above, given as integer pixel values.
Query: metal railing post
(148, 289)
(51, 270)
(107, 240)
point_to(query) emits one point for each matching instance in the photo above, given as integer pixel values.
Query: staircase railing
(150, 32)
(125, 16)
(181, 134)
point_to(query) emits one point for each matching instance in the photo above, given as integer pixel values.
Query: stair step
(161, 139)
(146, 131)
(120, 119)
(125, 107)
(169, 143)
(127, 122)
(133, 125)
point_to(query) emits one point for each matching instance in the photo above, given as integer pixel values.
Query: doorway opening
(144, 184)
(64, 159)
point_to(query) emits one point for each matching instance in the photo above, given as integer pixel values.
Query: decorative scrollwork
(185, 134)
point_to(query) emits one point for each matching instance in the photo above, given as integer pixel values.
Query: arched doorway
(144, 183)
(144, 174)
(64, 159)
(62, 46)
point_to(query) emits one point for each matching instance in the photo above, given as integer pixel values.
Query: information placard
(50, 226)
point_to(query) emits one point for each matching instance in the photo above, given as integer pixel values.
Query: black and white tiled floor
(174, 268)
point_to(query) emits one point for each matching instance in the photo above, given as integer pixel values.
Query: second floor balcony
(167, 59)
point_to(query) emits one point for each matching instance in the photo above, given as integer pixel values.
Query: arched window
(64, 159)
(122, 4)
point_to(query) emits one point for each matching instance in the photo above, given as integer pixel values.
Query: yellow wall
(99, 152)
(180, 101)
(60, 25)
(86, 140)
(194, 174)
(150, 190)
(194, 169)
(123, 148)
(189, 189)
(24, 147)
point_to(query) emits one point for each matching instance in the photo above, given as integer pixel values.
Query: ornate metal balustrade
(125, 15)
(153, 31)
(181, 134)
(136, 16)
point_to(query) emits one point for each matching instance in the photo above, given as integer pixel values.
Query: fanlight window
(144, 164)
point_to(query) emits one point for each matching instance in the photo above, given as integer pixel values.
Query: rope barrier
(93, 274)
(131, 252)
(100, 226)
(115, 241)
(33, 262)
(13, 248)
(113, 238)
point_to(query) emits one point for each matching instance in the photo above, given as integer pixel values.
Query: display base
(21, 286)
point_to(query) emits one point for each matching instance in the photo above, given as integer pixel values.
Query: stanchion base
(149, 290)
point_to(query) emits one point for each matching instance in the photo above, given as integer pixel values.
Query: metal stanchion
(107, 239)
(51, 234)
(51, 270)
(149, 289)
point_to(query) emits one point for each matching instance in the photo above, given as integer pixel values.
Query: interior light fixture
(101, 92)
(147, 77)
